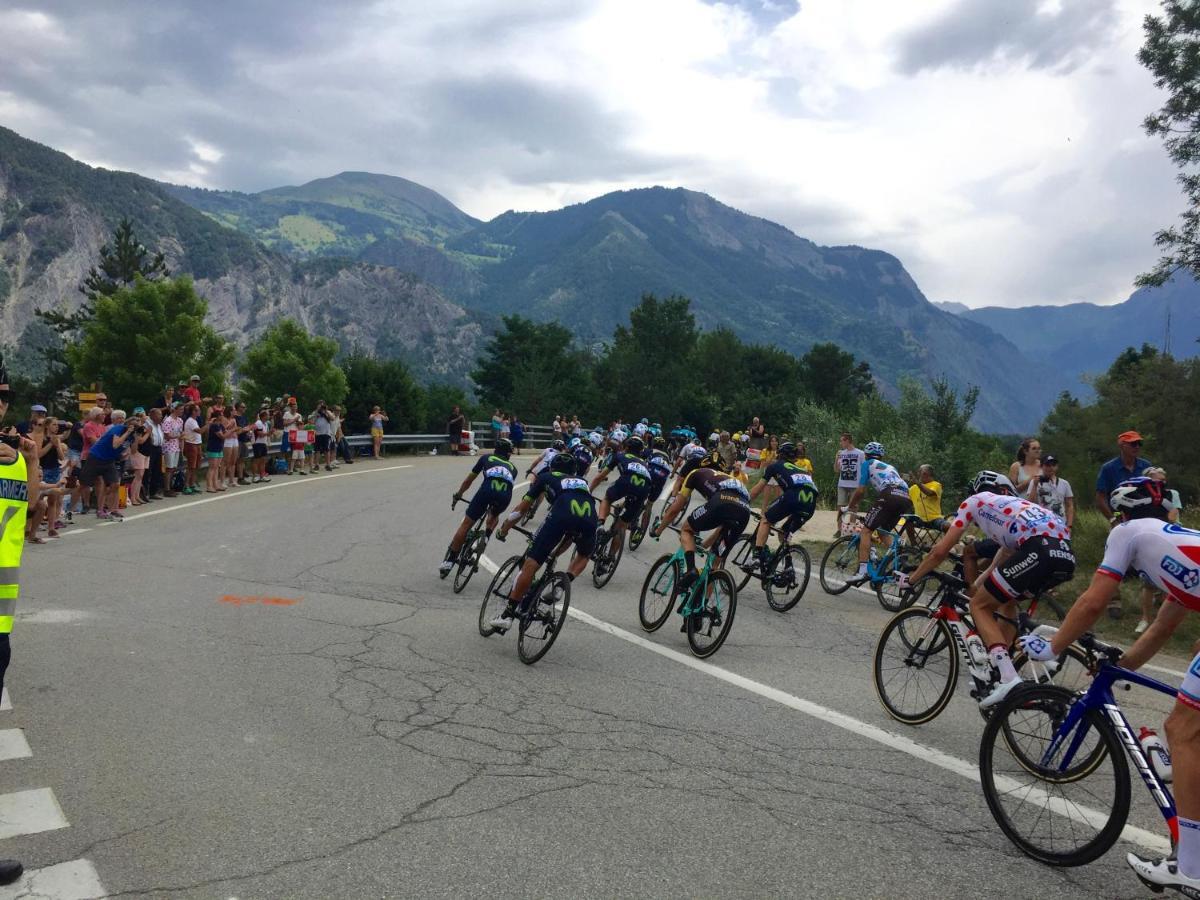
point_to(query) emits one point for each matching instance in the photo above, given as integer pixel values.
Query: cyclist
(1033, 554)
(493, 496)
(726, 507)
(633, 483)
(659, 464)
(1167, 557)
(797, 502)
(543, 459)
(583, 456)
(572, 517)
(891, 502)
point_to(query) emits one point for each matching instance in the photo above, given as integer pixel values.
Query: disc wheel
(916, 666)
(658, 593)
(496, 596)
(839, 564)
(787, 579)
(468, 560)
(540, 629)
(707, 629)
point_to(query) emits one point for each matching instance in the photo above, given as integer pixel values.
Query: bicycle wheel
(613, 548)
(636, 534)
(658, 593)
(1072, 672)
(496, 596)
(839, 564)
(1059, 817)
(468, 560)
(540, 629)
(707, 630)
(741, 561)
(916, 666)
(787, 579)
(887, 592)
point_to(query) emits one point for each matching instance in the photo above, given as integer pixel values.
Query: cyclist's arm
(938, 552)
(462, 488)
(757, 489)
(673, 510)
(855, 498)
(1153, 638)
(1087, 609)
(599, 479)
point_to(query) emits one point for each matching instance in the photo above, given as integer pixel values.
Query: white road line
(29, 812)
(74, 880)
(5, 701)
(970, 770)
(1172, 672)
(230, 495)
(13, 744)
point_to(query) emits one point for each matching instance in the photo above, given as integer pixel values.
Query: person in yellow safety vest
(20, 476)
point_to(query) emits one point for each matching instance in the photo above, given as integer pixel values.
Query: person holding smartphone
(1050, 491)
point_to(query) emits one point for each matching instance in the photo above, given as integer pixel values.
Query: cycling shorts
(791, 507)
(1189, 691)
(1039, 563)
(635, 497)
(488, 499)
(730, 516)
(986, 549)
(573, 513)
(887, 509)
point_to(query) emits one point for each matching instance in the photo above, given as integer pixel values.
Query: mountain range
(395, 268)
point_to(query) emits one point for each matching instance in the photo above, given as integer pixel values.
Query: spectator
(1150, 597)
(770, 452)
(167, 397)
(576, 427)
(1125, 465)
(292, 420)
(172, 430)
(191, 392)
(1027, 467)
(137, 458)
(323, 450)
(213, 432)
(1054, 493)
(105, 405)
(229, 445)
(758, 434)
(192, 440)
(505, 427)
(802, 459)
(378, 417)
(100, 468)
(557, 427)
(263, 429)
(51, 455)
(846, 464)
(455, 426)
(496, 426)
(154, 454)
(90, 432)
(335, 434)
(726, 450)
(518, 435)
(926, 496)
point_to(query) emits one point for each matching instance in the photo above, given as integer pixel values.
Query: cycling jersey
(881, 476)
(495, 492)
(1009, 521)
(583, 459)
(704, 462)
(543, 461)
(1162, 553)
(572, 511)
(633, 484)
(788, 476)
(709, 483)
(726, 506)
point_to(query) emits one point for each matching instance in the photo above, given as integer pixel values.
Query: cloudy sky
(993, 145)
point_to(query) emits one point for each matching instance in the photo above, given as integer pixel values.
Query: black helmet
(634, 445)
(1142, 498)
(787, 450)
(660, 443)
(504, 448)
(559, 445)
(563, 463)
(715, 461)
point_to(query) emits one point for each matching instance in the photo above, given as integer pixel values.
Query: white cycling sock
(862, 568)
(1189, 847)
(1001, 660)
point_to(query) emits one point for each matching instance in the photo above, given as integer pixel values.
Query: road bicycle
(1049, 754)
(610, 545)
(707, 607)
(784, 577)
(920, 652)
(839, 566)
(541, 613)
(470, 552)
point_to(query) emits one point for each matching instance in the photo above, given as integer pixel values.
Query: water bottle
(976, 650)
(1156, 752)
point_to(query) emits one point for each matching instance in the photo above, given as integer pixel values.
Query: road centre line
(969, 770)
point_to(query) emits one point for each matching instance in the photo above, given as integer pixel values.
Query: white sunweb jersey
(1009, 521)
(1162, 553)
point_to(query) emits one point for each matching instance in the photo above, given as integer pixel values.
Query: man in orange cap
(1125, 465)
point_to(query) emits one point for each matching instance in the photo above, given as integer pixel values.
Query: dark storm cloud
(976, 32)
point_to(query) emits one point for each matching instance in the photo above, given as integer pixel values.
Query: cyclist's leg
(1183, 737)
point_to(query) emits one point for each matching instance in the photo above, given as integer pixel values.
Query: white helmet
(988, 480)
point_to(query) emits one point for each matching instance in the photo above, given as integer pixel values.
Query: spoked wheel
(707, 629)
(468, 560)
(496, 597)
(540, 628)
(1072, 671)
(1060, 811)
(611, 546)
(887, 592)
(637, 534)
(658, 593)
(916, 666)
(787, 579)
(742, 560)
(839, 564)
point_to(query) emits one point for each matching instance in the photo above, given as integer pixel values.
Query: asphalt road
(272, 694)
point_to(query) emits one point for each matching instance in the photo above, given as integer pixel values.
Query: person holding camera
(51, 455)
(138, 460)
(100, 468)
(1053, 493)
(323, 425)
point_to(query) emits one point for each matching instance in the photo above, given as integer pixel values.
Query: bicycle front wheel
(604, 569)
(916, 666)
(541, 627)
(787, 579)
(707, 629)
(741, 561)
(658, 593)
(468, 562)
(496, 596)
(839, 564)
(887, 591)
(1060, 812)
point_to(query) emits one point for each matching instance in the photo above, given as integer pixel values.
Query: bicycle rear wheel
(707, 630)
(658, 593)
(787, 579)
(468, 560)
(839, 564)
(496, 596)
(741, 559)
(1062, 817)
(541, 628)
(916, 666)
(604, 568)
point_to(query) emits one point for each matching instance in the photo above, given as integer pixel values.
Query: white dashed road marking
(13, 744)
(74, 880)
(30, 812)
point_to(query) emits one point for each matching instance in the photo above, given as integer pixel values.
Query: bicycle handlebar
(1090, 642)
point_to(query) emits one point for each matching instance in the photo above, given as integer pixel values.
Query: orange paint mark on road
(235, 600)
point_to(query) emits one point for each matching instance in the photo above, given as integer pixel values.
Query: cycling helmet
(697, 452)
(563, 463)
(640, 428)
(874, 449)
(574, 442)
(504, 448)
(644, 421)
(618, 436)
(659, 442)
(635, 445)
(559, 444)
(716, 461)
(787, 450)
(988, 480)
(595, 439)
(1142, 498)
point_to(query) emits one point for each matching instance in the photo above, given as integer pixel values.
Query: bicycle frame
(700, 588)
(875, 568)
(1099, 697)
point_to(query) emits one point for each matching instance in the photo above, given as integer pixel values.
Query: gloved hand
(1036, 647)
(902, 581)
